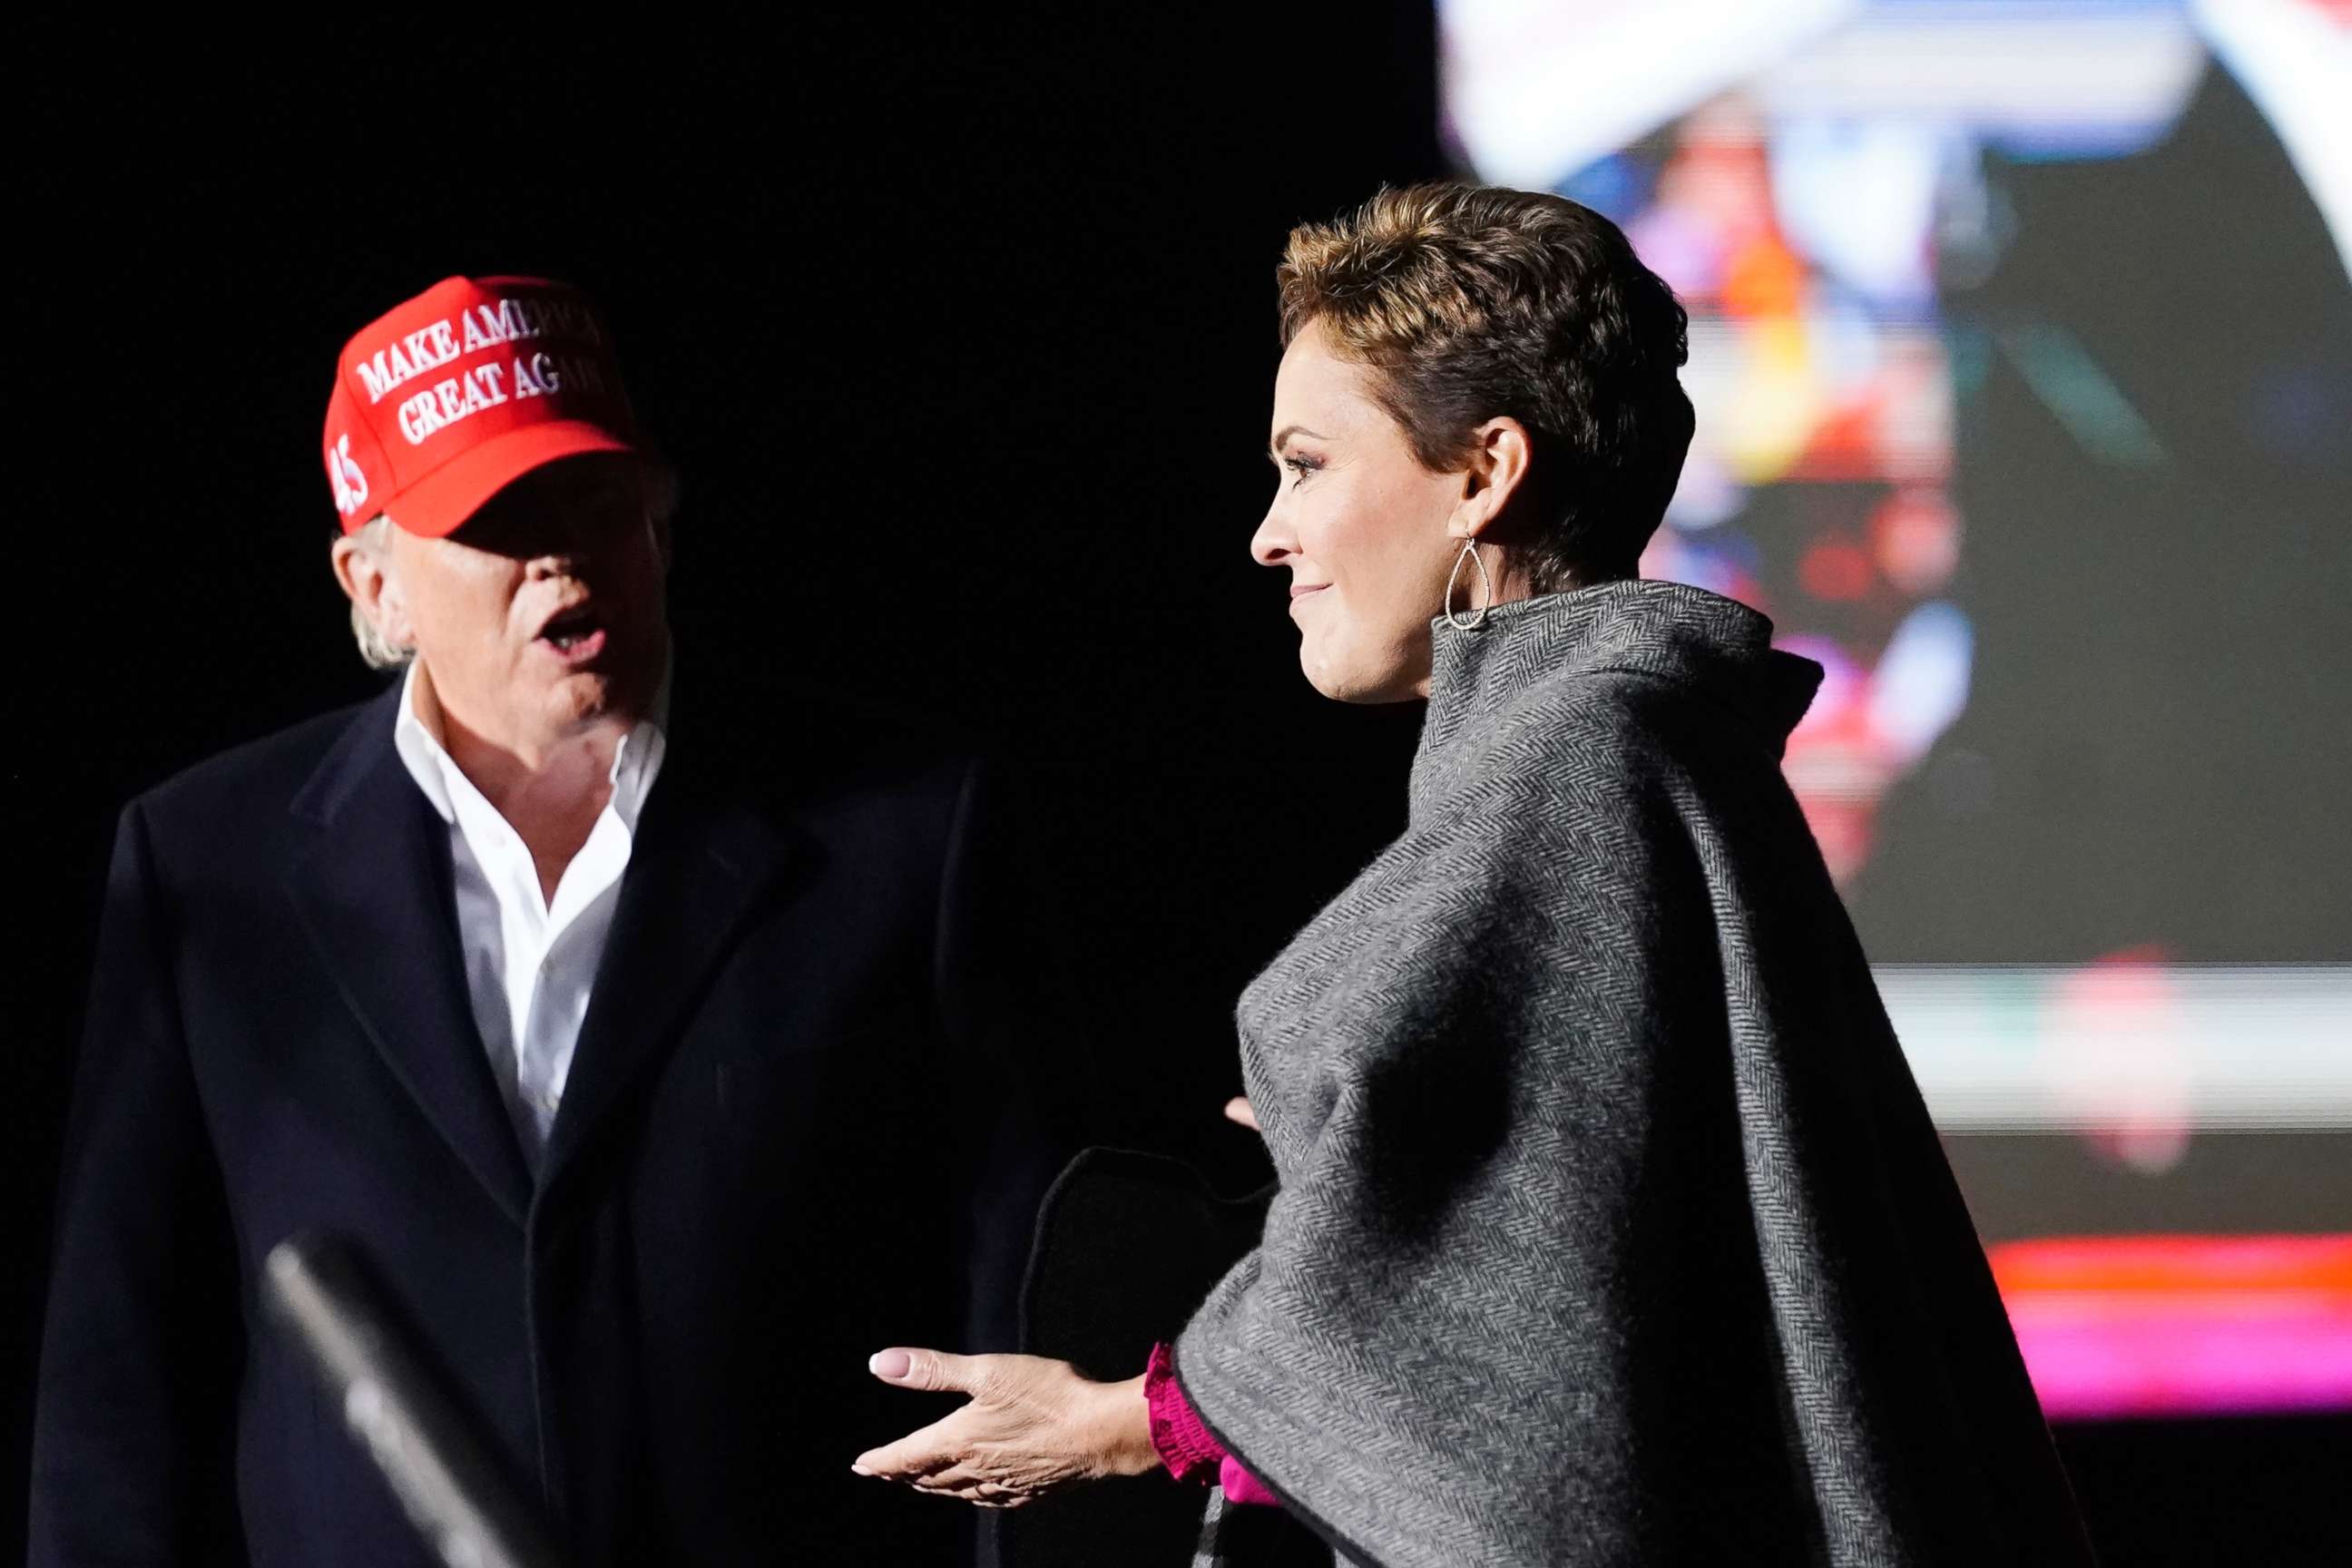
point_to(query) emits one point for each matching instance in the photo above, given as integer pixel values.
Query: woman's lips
(1299, 593)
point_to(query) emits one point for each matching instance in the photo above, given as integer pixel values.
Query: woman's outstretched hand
(1033, 1426)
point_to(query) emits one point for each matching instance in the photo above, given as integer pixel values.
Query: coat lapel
(374, 892)
(702, 865)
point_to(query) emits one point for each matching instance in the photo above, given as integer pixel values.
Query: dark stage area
(960, 335)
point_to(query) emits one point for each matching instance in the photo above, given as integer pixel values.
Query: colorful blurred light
(2174, 1325)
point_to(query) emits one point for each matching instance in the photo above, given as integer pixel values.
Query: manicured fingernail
(860, 1469)
(891, 1365)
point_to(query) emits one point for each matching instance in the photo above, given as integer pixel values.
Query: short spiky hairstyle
(1469, 303)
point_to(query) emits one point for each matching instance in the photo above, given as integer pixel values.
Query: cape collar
(1672, 631)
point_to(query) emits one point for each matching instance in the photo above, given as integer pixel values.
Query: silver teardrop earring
(1485, 586)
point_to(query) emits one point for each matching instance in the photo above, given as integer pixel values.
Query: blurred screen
(2022, 350)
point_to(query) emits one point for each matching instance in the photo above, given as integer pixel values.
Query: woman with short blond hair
(1610, 1228)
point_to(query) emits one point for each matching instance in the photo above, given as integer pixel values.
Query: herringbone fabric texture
(1612, 1229)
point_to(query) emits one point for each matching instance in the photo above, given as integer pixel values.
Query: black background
(961, 336)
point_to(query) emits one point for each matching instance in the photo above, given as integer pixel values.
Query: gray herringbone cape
(1612, 1229)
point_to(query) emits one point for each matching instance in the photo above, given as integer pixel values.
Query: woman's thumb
(926, 1368)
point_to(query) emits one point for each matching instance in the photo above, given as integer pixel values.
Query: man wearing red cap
(639, 1076)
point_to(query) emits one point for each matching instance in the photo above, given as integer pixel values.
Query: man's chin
(608, 689)
(583, 699)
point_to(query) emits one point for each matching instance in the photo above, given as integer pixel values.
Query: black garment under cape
(1612, 1229)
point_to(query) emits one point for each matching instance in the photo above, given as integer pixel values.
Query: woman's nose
(1272, 544)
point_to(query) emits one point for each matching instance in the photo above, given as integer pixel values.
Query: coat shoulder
(1597, 736)
(1617, 711)
(1592, 770)
(1632, 731)
(226, 795)
(823, 758)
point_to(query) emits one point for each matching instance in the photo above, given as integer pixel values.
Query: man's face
(542, 616)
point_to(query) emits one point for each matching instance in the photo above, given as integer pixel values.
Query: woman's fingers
(924, 1453)
(944, 1474)
(1033, 1425)
(933, 1370)
(975, 1483)
(1238, 1109)
(973, 1489)
(944, 1441)
(959, 1478)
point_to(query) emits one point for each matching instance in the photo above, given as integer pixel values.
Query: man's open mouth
(577, 629)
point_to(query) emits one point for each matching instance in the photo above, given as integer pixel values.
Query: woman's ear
(1499, 454)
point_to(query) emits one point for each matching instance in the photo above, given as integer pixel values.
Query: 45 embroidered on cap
(449, 398)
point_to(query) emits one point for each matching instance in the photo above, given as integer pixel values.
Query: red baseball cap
(449, 398)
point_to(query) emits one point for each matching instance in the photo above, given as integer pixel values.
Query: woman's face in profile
(1360, 524)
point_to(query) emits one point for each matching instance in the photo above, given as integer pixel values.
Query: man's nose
(555, 559)
(561, 547)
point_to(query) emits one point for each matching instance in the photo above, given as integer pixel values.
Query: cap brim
(438, 504)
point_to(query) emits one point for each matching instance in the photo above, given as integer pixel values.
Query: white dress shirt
(530, 961)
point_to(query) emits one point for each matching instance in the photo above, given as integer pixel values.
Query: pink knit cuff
(1183, 1443)
(1242, 1487)
(1183, 1440)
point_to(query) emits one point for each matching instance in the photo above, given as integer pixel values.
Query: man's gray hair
(373, 539)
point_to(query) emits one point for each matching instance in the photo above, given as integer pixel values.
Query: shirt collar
(416, 736)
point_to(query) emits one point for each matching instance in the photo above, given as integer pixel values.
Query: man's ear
(367, 579)
(1499, 455)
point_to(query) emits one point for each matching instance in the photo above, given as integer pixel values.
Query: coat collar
(703, 865)
(1686, 636)
(373, 887)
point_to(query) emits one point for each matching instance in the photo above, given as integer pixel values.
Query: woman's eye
(1300, 466)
